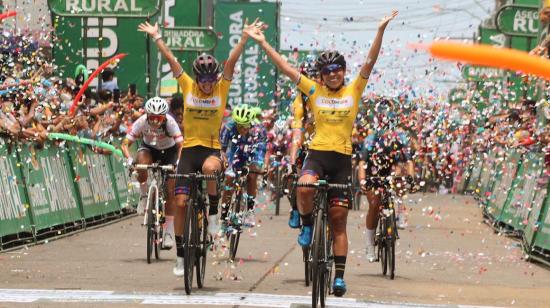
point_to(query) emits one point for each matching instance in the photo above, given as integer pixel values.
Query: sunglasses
(207, 78)
(156, 118)
(331, 68)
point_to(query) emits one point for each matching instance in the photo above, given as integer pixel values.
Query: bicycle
(386, 233)
(155, 207)
(196, 240)
(235, 221)
(321, 257)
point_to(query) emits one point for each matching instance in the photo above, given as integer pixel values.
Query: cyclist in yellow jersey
(334, 106)
(204, 102)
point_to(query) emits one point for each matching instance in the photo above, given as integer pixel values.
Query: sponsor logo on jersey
(329, 102)
(211, 102)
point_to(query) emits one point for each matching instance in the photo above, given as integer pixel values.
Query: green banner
(487, 174)
(479, 73)
(92, 174)
(104, 8)
(190, 38)
(536, 219)
(505, 174)
(50, 187)
(491, 36)
(14, 214)
(255, 77)
(76, 46)
(128, 194)
(518, 20)
(522, 192)
(542, 236)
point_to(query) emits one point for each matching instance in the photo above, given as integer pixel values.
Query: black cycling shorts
(334, 167)
(191, 161)
(164, 157)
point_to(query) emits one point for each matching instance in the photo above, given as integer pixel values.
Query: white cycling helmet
(156, 105)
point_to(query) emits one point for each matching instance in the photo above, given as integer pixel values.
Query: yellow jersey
(202, 114)
(334, 113)
(298, 113)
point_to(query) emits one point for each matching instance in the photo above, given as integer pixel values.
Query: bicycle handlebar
(198, 176)
(324, 184)
(154, 166)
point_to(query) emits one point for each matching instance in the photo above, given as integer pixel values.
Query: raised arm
(366, 69)
(256, 33)
(234, 55)
(153, 32)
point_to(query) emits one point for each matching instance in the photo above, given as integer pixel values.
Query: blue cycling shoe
(339, 287)
(294, 219)
(304, 239)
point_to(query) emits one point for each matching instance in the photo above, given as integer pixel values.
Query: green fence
(514, 193)
(58, 186)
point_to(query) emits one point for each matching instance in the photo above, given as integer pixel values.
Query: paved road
(446, 257)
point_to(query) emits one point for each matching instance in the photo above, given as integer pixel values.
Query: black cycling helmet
(206, 64)
(330, 57)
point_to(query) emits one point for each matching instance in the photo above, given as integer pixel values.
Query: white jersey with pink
(160, 138)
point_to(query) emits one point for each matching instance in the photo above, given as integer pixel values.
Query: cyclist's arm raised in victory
(366, 69)
(257, 34)
(153, 32)
(234, 55)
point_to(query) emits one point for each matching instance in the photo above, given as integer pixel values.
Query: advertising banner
(50, 186)
(92, 174)
(255, 78)
(14, 214)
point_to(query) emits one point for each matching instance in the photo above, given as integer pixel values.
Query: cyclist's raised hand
(255, 31)
(386, 20)
(146, 27)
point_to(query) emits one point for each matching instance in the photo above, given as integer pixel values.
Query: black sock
(250, 202)
(307, 220)
(179, 246)
(213, 200)
(340, 266)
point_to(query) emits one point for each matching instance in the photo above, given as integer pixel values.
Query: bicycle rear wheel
(189, 244)
(318, 262)
(235, 235)
(204, 243)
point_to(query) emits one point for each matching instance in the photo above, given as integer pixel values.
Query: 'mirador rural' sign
(190, 38)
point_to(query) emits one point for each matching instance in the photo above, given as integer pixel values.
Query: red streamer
(7, 14)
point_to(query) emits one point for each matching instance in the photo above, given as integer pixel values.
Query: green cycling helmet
(243, 115)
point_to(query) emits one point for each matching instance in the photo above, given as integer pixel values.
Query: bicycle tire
(204, 242)
(234, 237)
(382, 253)
(278, 190)
(307, 266)
(317, 262)
(150, 226)
(158, 233)
(357, 200)
(189, 256)
(390, 245)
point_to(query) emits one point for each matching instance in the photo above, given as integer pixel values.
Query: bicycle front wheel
(307, 265)
(390, 245)
(150, 225)
(189, 244)
(235, 235)
(318, 266)
(382, 247)
(204, 243)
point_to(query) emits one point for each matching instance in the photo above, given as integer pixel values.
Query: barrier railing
(58, 189)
